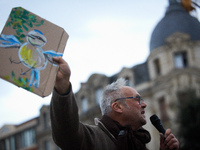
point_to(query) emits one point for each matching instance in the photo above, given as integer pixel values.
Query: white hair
(111, 92)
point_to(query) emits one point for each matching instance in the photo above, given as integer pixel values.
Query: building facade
(19, 137)
(171, 68)
(34, 134)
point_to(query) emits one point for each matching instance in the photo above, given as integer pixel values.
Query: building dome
(176, 19)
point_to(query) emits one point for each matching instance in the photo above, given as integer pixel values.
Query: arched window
(84, 104)
(163, 109)
(98, 93)
(157, 66)
(180, 60)
(128, 83)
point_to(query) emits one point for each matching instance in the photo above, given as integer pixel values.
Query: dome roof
(176, 19)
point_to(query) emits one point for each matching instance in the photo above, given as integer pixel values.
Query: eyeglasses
(138, 98)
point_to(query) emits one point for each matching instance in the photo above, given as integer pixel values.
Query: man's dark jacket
(70, 134)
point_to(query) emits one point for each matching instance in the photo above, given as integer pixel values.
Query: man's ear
(117, 107)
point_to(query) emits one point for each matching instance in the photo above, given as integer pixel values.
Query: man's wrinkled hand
(168, 141)
(62, 83)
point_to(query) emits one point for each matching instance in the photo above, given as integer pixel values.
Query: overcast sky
(105, 36)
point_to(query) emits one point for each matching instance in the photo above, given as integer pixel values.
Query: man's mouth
(143, 112)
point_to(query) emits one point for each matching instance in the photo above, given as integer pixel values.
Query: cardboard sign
(27, 45)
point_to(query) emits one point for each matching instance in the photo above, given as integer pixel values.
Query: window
(27, 138)
(98, 93)
(12, 143)
(84, 103)
(47, 145)
(180, 60)
(45, 120)
(128, 83)
(157, 66)
(163, 109)
(7, 144)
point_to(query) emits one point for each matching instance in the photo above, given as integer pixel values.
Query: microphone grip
(160, 128)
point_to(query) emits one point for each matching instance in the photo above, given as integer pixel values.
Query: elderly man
(120, 127)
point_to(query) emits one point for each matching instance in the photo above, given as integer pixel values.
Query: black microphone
(157, 123)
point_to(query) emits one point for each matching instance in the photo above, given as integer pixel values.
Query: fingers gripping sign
(63, 76)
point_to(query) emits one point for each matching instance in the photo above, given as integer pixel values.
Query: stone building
(43, 131)
(23, 136)
(171, 68)
(34, 134)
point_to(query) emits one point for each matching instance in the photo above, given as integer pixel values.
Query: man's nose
(143, 104)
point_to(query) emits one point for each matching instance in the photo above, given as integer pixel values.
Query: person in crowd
(121, 125)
